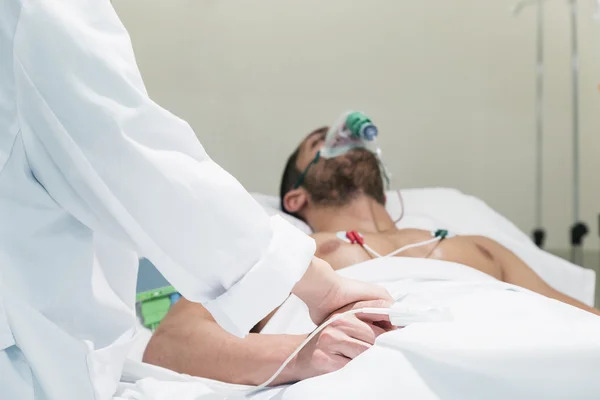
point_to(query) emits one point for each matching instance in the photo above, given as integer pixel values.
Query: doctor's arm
(130, 170)
(189, 341)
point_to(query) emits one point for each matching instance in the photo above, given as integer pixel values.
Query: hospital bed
(425, 209)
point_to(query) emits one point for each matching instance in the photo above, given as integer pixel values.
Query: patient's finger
(350, 347)
(336, 362)
(386, 326)
(326, 361)
(358, 329)
(377, 330)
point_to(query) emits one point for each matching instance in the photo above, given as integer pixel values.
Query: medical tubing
(367, 310)
(412, 246)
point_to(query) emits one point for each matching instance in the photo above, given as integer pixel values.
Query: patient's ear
(295, 200)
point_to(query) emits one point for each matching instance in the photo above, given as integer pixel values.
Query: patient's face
(336, 182)
(309, 148)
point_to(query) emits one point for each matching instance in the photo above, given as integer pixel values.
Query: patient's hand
(337, 344)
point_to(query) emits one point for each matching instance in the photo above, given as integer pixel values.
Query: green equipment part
(361, 126)
(154, 304)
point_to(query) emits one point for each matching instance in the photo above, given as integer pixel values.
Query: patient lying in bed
(347, 194)
(342, 194)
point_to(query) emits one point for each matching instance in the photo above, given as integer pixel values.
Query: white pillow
(438, 208)
(272, 206)
(432, 204)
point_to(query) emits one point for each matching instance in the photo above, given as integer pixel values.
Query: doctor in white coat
(94, 174)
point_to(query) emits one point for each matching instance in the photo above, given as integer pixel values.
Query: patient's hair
(291, 174)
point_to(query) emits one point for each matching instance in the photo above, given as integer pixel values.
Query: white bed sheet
(148, 382)
(441, 208)
(504, 342)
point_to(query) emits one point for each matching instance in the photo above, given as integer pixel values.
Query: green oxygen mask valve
(361, 126)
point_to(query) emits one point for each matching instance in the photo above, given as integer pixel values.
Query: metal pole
(540, 112)
(575, 110)
(579, 229)
(539, 233)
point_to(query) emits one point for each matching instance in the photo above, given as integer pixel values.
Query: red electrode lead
(355, 237)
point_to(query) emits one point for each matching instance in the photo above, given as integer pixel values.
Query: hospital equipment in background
(579, 229)
(153, 305)
(539, 233)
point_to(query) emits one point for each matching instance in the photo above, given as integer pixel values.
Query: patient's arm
(515, 271)
(189, 341)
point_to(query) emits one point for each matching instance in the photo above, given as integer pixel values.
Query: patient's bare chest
(460, 249)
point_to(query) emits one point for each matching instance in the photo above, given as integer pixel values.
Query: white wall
(449, 82)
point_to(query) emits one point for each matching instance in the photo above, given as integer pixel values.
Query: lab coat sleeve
(124, 166)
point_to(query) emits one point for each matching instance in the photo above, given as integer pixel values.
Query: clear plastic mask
(352, 130)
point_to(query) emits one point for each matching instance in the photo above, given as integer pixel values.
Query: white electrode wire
(401, 249)
(370, 250)
(369, 310)
(412, 246)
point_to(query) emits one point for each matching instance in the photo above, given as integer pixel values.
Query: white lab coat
(94, 174)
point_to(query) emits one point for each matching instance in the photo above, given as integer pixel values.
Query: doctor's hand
(325, 292)
(335, 346)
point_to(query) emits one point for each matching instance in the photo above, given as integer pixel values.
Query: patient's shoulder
(318, 236)
(327, 243)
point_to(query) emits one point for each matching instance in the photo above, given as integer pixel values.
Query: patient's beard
(337, 181)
